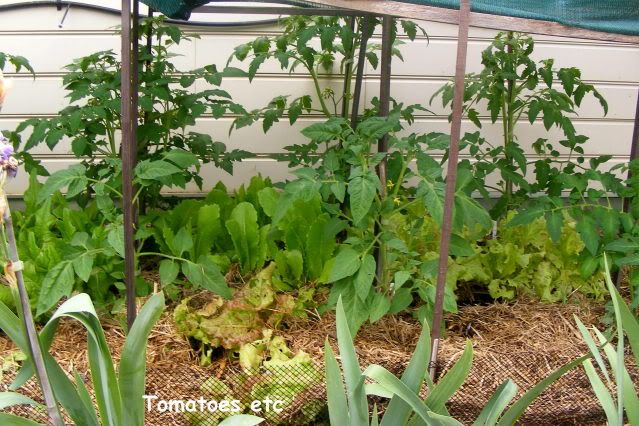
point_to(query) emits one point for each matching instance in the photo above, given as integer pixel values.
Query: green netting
(612, 16)
(175, 9)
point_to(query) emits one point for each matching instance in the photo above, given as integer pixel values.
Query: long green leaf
(353, 377)
(616, 303)
(392, 384)
(497, 404)
(85, 396)
(9, 399)
(451, 382)
(518, 408)
(631, 399)
(592, 346)
(11, 420)
(105, 384)
(133, 361)
(67, 394)
(335, 392)
(443, 420)
(11, 326)
(398, 411)
(603, 395)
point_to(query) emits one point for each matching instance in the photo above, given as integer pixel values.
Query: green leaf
(378, 306)
(433, 195)
(353, 377)
(460, 247)
(392, 384)
(517, 409)
(365, 276)
(10, 399)
(57, 284)
(344, 265)
(588, 233)
(115, 237)
(451, 382)
(623, 246)
(154, 170)
(73, 177)
(206, 274)
(131, 373)
(603, 395)
(183, 242)
(243, 228)
(11, 420)
(320, 244)
(554, 222)
(592, 346)
(497, 404)
(209, 230)
(268, 198)
(400, 279)
(324, 132)
(527, 215)
(182, 158)
(362, 191)
(169, 270)
(103, 374)
(335, 392)
(398, 412)
(83, 265)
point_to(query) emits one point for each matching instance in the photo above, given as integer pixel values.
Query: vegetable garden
(323, 293)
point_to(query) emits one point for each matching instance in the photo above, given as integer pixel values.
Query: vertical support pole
(634, 150)
(634, 154)
(384, 90)
(348, 73)
(135, 77)
(25, 312)
(451, 180)
(384, 109)
(128, 160)
(367, 23)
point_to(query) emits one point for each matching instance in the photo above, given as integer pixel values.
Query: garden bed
(524, 341)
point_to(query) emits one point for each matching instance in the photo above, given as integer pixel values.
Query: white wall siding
(34, 33)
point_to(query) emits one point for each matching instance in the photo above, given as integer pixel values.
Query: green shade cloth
(175, 9)
(611, 16)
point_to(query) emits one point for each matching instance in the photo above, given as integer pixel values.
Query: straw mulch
(524, 341)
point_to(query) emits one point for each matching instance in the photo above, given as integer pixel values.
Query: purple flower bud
(6, 151)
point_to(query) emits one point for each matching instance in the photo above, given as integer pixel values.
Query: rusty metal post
(384, 90)
(129, 115)
(367, 22)
(388, 23)
(634, 150)
(451, 180)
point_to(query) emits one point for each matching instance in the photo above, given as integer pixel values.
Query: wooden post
(451, 180)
